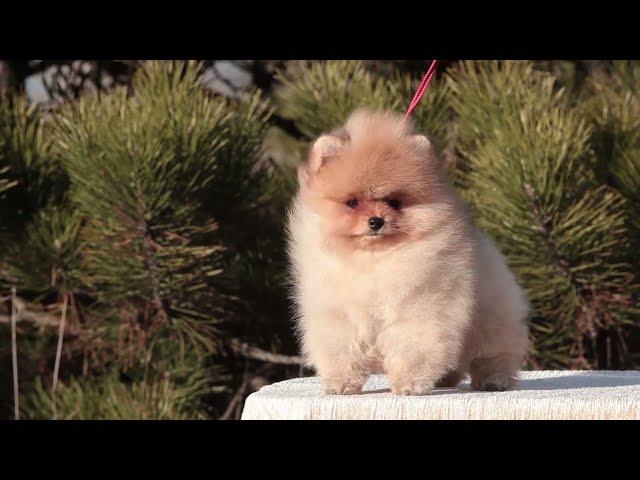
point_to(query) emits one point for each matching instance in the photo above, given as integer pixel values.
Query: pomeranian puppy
(390, 273)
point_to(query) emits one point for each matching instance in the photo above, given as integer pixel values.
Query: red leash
(424, 84)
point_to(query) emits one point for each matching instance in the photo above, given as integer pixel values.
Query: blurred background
(143, 272)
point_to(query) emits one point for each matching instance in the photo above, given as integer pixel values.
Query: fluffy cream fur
(427, 298)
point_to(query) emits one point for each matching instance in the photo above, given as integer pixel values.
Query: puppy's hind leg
(495, 373)
(450, 380)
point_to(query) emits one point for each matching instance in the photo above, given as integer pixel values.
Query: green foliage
(26, 165)
(160, 163)
(108, 398)
(48, 260)
(164, 183)
(164, 384)
(5, 183)
(529, 175)
(318, 96)
(30, 179)
(614, 110)
(433, 115)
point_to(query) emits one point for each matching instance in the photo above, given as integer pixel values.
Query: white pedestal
(539, 395)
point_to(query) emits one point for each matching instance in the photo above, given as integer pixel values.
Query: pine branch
(255, 353)
(30, 313)
(14, 356)
(237, 397)
(561, 264)
(56, 368)
(152, 266)
(585, 319)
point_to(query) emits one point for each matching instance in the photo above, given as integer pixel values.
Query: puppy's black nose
(376, 223)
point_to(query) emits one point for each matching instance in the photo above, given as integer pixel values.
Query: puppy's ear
(426, 149)
(422, 143)
(324, 148)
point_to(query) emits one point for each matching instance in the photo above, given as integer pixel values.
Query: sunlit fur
(427, 298)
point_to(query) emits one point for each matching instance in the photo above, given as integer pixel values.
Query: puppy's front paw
(342, 388)
(412, 388)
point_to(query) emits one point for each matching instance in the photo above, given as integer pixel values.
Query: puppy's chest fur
(369, 287)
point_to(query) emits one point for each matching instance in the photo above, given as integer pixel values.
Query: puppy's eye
(393, 203)
(353, 203)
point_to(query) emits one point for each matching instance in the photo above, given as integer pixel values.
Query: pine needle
(56, 368)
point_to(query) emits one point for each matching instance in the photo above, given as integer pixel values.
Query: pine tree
(530, 175)
(161, 177)
(613, 108)
(613, 105)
